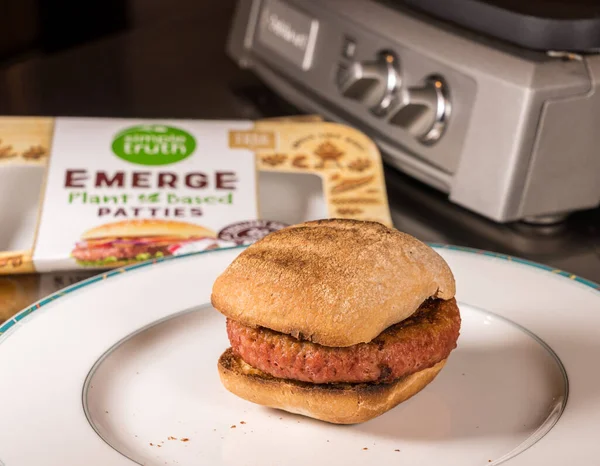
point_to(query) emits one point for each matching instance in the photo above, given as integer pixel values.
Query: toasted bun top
(142, 228)
(333, 282)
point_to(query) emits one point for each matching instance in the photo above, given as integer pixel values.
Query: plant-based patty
(416, 343)
(119, 252)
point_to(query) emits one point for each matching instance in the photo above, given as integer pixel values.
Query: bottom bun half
(336, 403)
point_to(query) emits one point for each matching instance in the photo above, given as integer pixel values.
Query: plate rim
(17, 318)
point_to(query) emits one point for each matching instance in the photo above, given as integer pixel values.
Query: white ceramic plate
(121, 369)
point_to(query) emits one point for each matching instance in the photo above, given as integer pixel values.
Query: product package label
(122, 191)
(100, 193)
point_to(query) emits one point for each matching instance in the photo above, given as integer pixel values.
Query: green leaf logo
(153, 145)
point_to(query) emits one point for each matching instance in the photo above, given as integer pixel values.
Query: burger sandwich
(338, 320)
(129, 241)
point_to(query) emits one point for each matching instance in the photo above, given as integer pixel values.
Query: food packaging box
(87, 194)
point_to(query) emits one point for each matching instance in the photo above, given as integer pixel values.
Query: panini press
(494, 103)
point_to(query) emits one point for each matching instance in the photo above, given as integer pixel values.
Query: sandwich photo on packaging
(111, 192)
(122, 243)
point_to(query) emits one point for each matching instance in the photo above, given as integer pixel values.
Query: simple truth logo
(153, 145)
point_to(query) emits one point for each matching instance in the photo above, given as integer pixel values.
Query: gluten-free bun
(335, 403)
(333, 282)
(144, 228)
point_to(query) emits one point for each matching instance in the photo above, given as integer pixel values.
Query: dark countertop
(170, 63)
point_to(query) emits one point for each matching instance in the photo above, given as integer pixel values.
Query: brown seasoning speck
(350, 184)
(360, 165)
(34, 153)
(274, 160)
(349, 211)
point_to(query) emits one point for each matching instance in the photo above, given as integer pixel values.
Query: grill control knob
(374, 83)
(424, 111)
